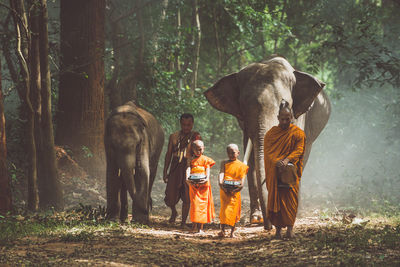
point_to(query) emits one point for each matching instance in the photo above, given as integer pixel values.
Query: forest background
(164, 54)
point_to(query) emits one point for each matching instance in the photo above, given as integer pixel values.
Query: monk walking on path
(198, 178)
(232, 170)
(283, 156)
(180, 152)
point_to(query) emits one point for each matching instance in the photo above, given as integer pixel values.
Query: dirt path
(318, 242)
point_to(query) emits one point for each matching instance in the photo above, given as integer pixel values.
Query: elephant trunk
(256, 133)
(260, 174)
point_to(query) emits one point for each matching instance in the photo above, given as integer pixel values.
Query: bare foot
(278, 234)
(193, 231)
(221, 234)
(184, 226)
(290, 232)
(173, 216)
(201, 232)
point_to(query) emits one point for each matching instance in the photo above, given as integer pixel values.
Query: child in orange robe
(201, 200)
(231, 170)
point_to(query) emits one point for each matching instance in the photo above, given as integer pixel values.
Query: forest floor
(65, 239)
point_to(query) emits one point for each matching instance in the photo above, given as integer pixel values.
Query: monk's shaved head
(284, 107)
(233, 147)
(233, 151)
(198, 143)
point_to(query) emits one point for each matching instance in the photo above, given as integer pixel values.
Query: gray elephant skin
(253, 96)
(133, 142)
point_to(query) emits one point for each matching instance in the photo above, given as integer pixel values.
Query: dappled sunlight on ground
(318, 241)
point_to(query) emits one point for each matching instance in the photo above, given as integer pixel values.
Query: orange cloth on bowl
(201, 200)
(280, 144)
(231, 203)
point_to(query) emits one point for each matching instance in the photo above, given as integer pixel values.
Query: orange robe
(280, 144)
(201, 200)
(231, 203)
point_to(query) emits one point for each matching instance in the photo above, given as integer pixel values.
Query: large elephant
(253, 96)
(133, 142)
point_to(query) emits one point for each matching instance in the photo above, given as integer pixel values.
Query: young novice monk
(231, 170)
(201, 201)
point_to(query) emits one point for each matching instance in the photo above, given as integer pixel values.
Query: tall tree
(23, 37)
(196, 42)
(50, 187)
(5, 189)
(80, 118)
(44, 188)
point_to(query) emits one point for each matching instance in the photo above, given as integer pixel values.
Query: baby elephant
(133, 141)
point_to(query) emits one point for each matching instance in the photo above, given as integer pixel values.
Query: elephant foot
(123, 219)
(140, 219)
(268, 225)
(256, 217)
(112, 218)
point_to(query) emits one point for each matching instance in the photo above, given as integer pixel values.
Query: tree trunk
(112, 88)
(5, 183)
(217, 42)
(164, 6)
(23, 39)
(179, 81)
(80, 119)
(50, 190)
(197, 39)
(281, 19)
(34, 74)
(5, 44)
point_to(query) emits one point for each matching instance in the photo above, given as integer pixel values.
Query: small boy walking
(232, 172)
(198, 178)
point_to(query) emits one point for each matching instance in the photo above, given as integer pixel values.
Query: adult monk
(179, 151)
(283, 147)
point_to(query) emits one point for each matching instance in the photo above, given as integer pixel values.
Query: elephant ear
(304, 92)
(224, 95)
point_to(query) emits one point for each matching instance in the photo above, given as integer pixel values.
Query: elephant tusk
(247, 152)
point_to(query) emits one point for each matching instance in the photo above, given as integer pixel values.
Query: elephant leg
(307, 152)
(153, 172)
(140, 205)
(123, 196)
(112, 188)
(255, 212)
(261, 183)
(128, 185)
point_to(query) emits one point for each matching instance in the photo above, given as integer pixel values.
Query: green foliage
(352, 45)
(79, 224)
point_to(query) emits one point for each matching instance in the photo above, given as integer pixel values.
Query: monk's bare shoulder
(174, 137)
(222, 166)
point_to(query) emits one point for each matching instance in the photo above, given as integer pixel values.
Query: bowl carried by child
(197, 178)
(231, 185)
